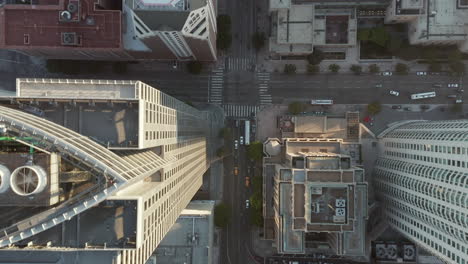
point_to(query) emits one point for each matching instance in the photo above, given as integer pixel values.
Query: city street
(236, 248)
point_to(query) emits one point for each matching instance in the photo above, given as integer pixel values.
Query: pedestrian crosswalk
(233, 110)
(264, 95)
(216, 86)
(240, 64)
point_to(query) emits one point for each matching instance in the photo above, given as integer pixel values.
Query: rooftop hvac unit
(65, 15)
(72, 7)
(340, 212)
(340, 203)
(4, 178)
(28, 180)
(69, 39)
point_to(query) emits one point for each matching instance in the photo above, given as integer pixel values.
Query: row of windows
(438, 125)
(436, 160)
(429, 147)
(426, 187)
(409, 226)
(156, 114)
(430, 135)
(441, 217)
(455, 178)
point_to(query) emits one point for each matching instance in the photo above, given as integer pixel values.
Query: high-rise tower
(95, 170)
(422, 178)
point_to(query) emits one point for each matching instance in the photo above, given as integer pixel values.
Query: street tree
(290, 69)
(295, 108)
(334, 68)
(255, 151)
(434, 67)
(374, 68)
(315, 57)
(458, 68)
(356, 69)
(221, 215)
(401, 68)
(258, 40)
(312, 69)
(374, 108)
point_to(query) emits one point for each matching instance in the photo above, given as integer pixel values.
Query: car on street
(174, 65)
(424, 107)
(236, 144)
(458, 101)
(247, 181)
(407, 109)
(460, 90)
(394, 93)
(236, 171)
(379, 85)
(247, 204)
(421, 73)
(387, 73)
(452, 96)
(241, 140)
(396, 106)
(452, 85)
(437, 85)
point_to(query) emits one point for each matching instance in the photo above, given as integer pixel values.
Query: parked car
(396, 106)
(458, 101)
(247, 204)
(437, 85)
(394, 93)
(424, 107)
(421, 73)
(387, 73)
(236, 144)
(247, 181)
(174, 65)
(452, 85)
(241, 140)
(452, 96)
(379, 85)
(236, 171)
(460, 90)
(407, 109)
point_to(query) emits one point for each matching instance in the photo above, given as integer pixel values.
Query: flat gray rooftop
(117, 123)
(190, 238)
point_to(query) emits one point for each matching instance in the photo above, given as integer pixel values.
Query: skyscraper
(421, 176)
(95, 170)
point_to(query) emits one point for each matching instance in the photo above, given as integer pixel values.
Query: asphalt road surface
(237, 244)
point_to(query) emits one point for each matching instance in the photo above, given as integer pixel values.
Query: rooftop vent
(28, 180)
(72, 7)
(65, 15)
(70, 39)
(4, 178)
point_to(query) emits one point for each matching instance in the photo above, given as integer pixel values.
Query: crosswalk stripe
(216, 86)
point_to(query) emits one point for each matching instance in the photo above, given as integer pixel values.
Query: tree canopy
(255, 150)
(315, 57)
(296, 107)
(374, 108)
(222, 215)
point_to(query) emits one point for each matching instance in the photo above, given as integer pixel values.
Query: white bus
(247, 132)
(321, 102)
(423, 95)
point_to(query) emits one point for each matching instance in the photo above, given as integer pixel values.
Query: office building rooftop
(61, 23)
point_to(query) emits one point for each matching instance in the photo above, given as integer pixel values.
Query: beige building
(315, 194)
(432, 22)
(121, 159)
(299, 27)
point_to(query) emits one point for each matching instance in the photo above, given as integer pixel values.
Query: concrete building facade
(432, 22)
(128, 160)
(421, 176)
(315, 195)
(110, 30)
